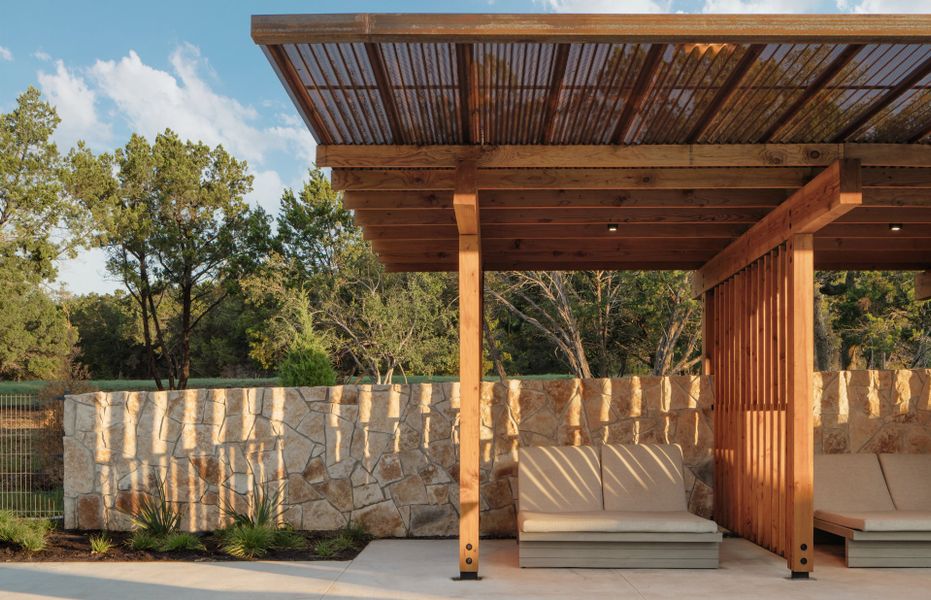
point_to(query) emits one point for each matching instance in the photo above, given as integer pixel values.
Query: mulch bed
(73, 546)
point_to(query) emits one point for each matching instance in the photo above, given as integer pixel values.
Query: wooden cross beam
(834, 192)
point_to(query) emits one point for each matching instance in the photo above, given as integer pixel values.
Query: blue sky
(112, 68)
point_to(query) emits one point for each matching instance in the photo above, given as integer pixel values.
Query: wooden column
(465, 203)
(799, 427)
(707, 333)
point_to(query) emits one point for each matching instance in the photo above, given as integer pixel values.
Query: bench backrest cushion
(909, 479)
(643, 477)
(850, 483)
(559, 479)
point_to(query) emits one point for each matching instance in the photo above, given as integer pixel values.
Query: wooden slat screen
(759, 334)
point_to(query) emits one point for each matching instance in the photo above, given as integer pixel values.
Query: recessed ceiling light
(612, 226)
(895, 227)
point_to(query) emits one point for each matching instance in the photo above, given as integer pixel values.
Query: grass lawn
(124, 385)
(129, 385)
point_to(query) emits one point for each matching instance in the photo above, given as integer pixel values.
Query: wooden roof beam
(574, 179)
(465, 199)
(820, 82)
(833, 193)
(725, 92)
(907, 83)
(613, 156)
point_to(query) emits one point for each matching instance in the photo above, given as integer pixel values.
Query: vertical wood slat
(761, 337)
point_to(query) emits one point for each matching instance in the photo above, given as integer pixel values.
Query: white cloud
(152, 100)
(76, 104)
(884, 6)
(759, 6)
(42, 55)
(266, 190)
(607, 6)
(5, 54)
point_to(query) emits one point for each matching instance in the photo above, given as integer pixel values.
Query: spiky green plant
(248, 541)
(156, 515)
(287, 539)
(143, 540)
(29, 534)
(181, 542)
(100, 544)
(265, 509)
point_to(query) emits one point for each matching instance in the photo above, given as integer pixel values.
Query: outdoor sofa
(614, 506)
(880, 504)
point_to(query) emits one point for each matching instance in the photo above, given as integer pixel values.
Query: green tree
(35, 337)
(109, 342)
(178, 234)
(37, 219)
(374, 323)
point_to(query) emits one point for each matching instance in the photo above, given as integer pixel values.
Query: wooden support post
(465, 201)
(799, 434)
(707, 334)
(923, 285)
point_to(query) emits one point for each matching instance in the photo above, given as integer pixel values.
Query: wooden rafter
(557, 74)
(295, 88)
(639, 93)
(912, 79)
(383, 84)
(833, 193)
(820, 82)
(725, 92)
(468, 93)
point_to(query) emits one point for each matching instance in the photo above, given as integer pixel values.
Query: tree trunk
(144, 290)
(492, 345)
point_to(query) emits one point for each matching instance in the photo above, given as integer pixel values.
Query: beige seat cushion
(614, 522)
(894, 520)
(850, 483)
(559, 479)
(643, 477)
(909, 479)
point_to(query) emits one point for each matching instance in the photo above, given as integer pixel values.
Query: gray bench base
(620, 550)
(882, 548)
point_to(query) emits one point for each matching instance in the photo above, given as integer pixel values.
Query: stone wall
(386, 456)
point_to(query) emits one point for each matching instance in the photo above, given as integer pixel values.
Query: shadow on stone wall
(387, 456)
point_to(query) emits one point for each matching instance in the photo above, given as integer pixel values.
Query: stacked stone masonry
(387, 456)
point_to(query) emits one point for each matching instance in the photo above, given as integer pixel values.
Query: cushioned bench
(617, 506)
(881, 505)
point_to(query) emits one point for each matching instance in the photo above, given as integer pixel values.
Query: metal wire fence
(31, 465)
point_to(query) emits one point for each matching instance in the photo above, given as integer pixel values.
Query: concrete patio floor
(422, 569)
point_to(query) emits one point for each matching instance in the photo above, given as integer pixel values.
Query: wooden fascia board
(616, 28)
(831, 194)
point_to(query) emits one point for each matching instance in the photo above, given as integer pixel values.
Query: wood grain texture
(470, 376)
(833, 193)
(615, 156)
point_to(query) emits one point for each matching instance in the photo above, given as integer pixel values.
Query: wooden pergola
(750, 149)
